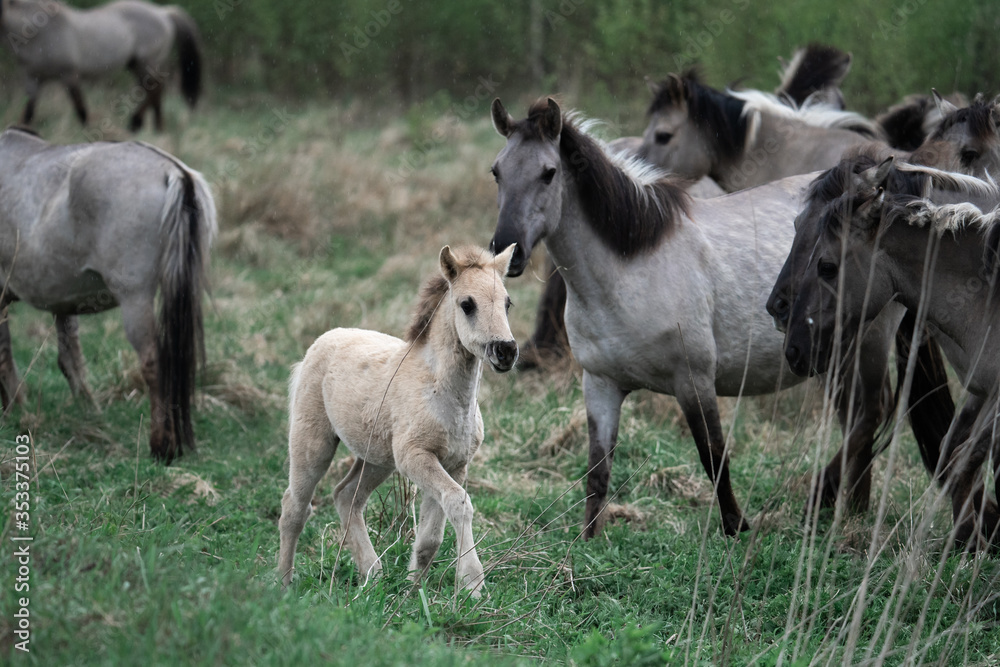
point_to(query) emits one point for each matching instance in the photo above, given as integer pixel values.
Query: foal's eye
(507, 305)
(968, 157)
(827, 270)
(548, 175)
(468, 306)
(663, 138)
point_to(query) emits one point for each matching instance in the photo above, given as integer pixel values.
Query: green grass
(137, 563)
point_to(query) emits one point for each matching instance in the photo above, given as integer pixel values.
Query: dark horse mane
(436, 289)
(978, 116)
(630, 213)
(718, 115)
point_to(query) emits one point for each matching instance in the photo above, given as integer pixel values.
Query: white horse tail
(189, 49)
(187, 227)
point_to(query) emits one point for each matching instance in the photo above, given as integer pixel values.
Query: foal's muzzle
(502, 355)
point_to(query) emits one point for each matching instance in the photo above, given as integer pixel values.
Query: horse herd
(746, 242)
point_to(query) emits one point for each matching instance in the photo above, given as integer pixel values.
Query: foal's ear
(449, 264)
(502, 261)
(551, 121)
(944, 107)
(503, 122)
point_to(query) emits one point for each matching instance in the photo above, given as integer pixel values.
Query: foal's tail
(189, 50)
(187, 227)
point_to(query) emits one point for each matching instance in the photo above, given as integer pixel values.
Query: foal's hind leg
(701, 410)
(351, 497)
(311, 446)
(71, 361)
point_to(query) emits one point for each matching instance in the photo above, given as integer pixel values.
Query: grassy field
(332, 215)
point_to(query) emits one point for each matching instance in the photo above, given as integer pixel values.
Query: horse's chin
(500, 368)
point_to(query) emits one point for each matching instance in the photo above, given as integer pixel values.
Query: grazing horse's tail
(189, 49)
(187, 225)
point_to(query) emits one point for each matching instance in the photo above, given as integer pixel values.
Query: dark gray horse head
(529, 182)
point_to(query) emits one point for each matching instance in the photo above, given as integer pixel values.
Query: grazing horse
(401, 405)
(664, 292)
(869, 238)
(743, 139)
(87, 227)
(54, 42)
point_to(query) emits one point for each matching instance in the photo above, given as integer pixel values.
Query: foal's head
(470, 290)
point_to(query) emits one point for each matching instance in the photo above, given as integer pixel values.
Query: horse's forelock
(673, 90)
(978, 117)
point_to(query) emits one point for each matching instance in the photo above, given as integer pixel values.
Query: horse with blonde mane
(408, 405)
(54, 42)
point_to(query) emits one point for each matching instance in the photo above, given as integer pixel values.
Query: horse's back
(351, 370)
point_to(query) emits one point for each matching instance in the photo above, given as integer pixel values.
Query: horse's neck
(16, 146)
(782, 147)
(455, 369)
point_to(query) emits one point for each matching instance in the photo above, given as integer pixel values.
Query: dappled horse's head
(966, 140)
(474, 284)
(691, 126)
(830, 259)
(529, 182)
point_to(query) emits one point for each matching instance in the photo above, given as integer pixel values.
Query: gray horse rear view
(87, 227)
(54, 42)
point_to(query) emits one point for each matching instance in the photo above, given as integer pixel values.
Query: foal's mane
(628, 203)
(436, 289)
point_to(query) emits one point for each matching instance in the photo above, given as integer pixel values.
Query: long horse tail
(188, 225)
(189, 50)
(930, 405)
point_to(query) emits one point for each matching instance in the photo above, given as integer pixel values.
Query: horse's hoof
(734, 526)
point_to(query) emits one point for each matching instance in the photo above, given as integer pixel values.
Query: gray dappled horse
(663, 292)
(54, 42)
(874, 235)
(88, 227)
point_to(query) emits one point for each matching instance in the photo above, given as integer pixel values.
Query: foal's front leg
(604, 400)
(425, 470)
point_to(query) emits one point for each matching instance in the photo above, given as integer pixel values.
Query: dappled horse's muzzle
(502, 355)
(518, 261)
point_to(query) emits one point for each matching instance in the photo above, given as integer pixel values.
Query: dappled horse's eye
(969, 156)
(664, 138)
(468, 306)
(827, 270)
(548, 175)
(496, 173)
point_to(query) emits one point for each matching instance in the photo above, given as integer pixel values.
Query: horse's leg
(31, 85)
(140, 329)
(153, 86)
(423, 468)
(76, 95)
(701, 410)
(430, 533)
(71, 361)
(351, 496)
(10, 383)
(549, 338)
(968, 496)
(604, 406)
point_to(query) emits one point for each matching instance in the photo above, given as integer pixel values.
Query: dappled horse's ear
(502, 261)
(551, 121)
(449, 264)
(502, 121)
(653, 86)
(874, 177)
(869, 213)
(944, 106)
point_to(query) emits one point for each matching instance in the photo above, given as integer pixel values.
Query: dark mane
(718, 115)
(436, 289)
(837, 180)
(628, 215)
(903, 123)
